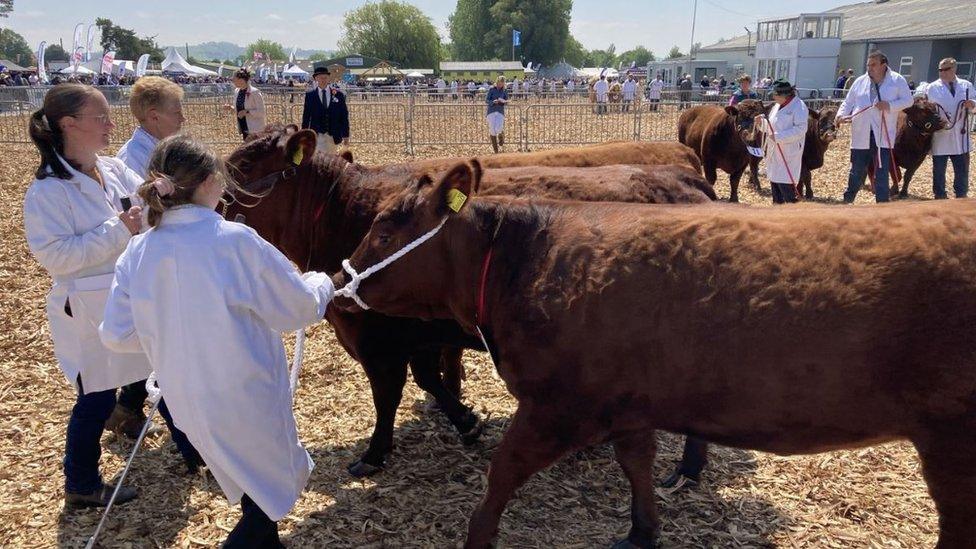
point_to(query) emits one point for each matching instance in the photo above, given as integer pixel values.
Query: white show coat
(629, 89)
(894, 90)
(654, 88)
(207, 299)
(789, 130)
(74, 231)
(951, 141)
(137, 151)
(601, 88)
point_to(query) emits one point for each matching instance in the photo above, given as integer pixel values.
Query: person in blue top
(496, 99)
(744, 92)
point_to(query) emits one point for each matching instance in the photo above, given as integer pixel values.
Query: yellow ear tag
(299, 155)
(456, 199)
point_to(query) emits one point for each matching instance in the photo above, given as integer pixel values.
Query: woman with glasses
(76, 227)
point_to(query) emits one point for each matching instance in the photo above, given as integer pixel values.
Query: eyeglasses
(946, 69)
(102, 119)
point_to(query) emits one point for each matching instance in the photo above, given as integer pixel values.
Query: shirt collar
(84, 181)
(143, 135)
(188, 213)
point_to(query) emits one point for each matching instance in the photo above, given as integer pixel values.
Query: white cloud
(274, 17)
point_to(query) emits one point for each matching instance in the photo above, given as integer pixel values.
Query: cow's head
(416, 284)
(276, 173)
(824, 123)
(924, 117)
(743, 116)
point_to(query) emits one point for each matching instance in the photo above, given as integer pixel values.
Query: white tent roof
(294, 70)
(595, 71)
(415, 75)
(70, 69)
(174, 62)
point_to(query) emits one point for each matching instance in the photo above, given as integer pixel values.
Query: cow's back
(696, 123)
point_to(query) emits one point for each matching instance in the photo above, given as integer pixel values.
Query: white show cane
(296, 363)
(154, 396)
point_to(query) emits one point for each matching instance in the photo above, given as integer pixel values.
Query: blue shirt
(739, 96)
(493, 94)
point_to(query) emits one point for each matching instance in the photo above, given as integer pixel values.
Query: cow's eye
(383, 238)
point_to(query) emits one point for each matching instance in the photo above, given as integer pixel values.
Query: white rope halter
(350, 289)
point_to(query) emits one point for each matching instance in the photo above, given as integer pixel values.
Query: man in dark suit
(326, 113)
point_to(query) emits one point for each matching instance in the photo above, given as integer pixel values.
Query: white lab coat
(137, 151)
(894, 90)
(601, 88)
(629, 89)
(654, 88)
(74, 231)
(787, 128)
(951, 141)
(207, 299)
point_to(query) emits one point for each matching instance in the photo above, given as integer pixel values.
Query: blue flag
(516, 38)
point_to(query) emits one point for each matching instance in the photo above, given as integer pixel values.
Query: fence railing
(415, 123)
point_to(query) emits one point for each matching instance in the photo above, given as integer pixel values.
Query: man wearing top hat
(326, 113)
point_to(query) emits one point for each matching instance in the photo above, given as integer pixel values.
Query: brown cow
(821, 132)
(916, 125)
(610, 321)
(317, 212)
(719, 137)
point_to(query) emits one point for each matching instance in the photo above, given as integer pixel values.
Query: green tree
(318, 56)
(544, 25)
(468, 26)
(574, 53)
(15, 48)
(394, 31)
(674, 53)
(270, 49)
(602, 58)
(125, 42)
(641, 55)
(6, 6)
(55, 52)
(447, 52)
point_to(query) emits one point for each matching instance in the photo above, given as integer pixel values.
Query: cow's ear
(454, 190)
(424, 181)
(347, 155)
(290, 129)
(478, 172)
(732, 110)
(814, 114)
(300, 147)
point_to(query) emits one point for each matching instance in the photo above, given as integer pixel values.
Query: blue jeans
(83, 446)
(960, 175)
(133, 397)
(860, 159)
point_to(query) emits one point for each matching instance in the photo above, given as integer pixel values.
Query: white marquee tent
(294, 71)
(174, 62)
(80, 69)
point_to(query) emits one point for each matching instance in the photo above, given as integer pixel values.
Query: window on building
(783, 68)
(760, 69)
(793, 29)
(964, 69)
(831, 27)
(905, 67)
(811, 28)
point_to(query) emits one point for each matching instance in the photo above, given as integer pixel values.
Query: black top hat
(319, 70)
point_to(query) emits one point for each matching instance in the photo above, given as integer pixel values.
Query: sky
(314, 24)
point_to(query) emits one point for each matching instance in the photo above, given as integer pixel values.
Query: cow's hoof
(472, 435)
(361, 469)
(626, 543)
(678, 481)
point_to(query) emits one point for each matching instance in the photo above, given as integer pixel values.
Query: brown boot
(128, 423)
(100, 497)
(494, 143)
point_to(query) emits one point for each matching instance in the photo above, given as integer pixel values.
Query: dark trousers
(783, 193)
(960, 174)
(83, 446)
(860, 160)
(255, 529)
(133, 397)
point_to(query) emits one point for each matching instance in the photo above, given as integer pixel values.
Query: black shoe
(100, 497)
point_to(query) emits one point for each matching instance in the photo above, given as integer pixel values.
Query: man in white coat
(871, 107)
(785, 131)
(654, 88)
(957, 99)
(629, 91)
(207, 300)
(602, 90)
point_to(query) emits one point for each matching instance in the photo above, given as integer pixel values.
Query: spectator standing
(496, 98)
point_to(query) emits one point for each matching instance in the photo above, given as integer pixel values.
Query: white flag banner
(108, 60)
(76, 41)
(77, 56)
(220, 70)
(291, 57)
(141, 65)
(90, 43)
(41, 73)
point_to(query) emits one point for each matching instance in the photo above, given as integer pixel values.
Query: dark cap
(782, 86)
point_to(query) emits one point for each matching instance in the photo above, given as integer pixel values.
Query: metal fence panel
(457, 123)
(371, 123)
(578, 123)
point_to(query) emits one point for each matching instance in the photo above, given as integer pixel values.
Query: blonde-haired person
(156, 104)
(76, 227)
(496, 98)
(207, 300)
(248, 105)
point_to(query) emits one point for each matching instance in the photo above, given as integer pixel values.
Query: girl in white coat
(207, 300)
(76, 227)
(785, 130)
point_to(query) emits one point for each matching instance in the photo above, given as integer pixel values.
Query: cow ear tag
(456, 199)
(299, 155)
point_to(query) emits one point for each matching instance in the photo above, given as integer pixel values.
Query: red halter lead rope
(485, 267)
